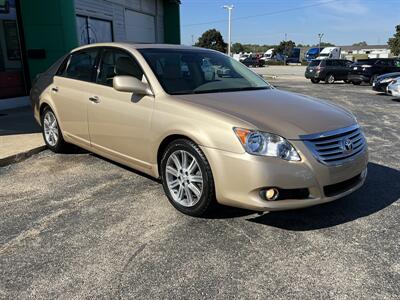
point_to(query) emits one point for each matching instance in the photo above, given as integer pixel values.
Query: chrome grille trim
(327, 147)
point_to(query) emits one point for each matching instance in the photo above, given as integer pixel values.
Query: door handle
(94, 99)
(55, 89)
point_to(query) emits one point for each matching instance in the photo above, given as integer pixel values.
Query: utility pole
(320, 35)
(229, 8)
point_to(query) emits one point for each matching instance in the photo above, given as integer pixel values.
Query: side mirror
(131, 84)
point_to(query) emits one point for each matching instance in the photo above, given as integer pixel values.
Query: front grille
(335, 147)
(341, 187)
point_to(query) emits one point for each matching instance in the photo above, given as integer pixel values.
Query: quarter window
(81, 65)
(114, 63)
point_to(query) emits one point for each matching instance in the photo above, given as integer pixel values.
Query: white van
(268, 54)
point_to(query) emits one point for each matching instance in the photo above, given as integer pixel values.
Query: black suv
(328, 70)
(367, 70)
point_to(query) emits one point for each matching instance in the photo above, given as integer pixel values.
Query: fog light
(271, 194)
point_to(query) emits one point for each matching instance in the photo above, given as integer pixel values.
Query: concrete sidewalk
(20, 135)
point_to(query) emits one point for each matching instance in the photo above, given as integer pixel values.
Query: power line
(262, 15)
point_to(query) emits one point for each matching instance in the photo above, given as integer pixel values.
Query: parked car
(234, 139)
(394, 88)
(381, 82)
(367, 70)
(329, 70)
(253, 61)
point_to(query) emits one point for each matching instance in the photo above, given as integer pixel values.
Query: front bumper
(239, 178)
(379, 87)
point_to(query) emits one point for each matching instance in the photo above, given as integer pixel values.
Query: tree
(363, 43)
(237, 47)
(325, 44)
(212, 39)
(285, 48)
(394, 42)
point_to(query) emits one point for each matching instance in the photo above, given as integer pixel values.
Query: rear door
(69, 92)
(119, 122)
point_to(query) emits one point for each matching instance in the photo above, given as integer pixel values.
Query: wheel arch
(166, 141)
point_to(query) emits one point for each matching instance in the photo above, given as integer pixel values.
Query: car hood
(388, 75)
(287, 114)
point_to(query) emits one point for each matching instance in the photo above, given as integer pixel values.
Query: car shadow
(381, 189)
(396, 99)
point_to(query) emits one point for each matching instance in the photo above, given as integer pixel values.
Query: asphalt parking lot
(77, 226)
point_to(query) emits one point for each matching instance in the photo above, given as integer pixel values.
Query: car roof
(130, 46)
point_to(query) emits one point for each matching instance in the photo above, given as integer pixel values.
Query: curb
(20, 156)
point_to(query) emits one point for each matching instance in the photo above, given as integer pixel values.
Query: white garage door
(140, 28)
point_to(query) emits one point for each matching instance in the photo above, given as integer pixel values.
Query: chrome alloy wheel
(184, 178)
(50, 127)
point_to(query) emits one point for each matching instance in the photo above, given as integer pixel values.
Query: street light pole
(320, 35)
(229, 8)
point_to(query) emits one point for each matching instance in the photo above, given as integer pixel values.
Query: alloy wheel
(184, 178)
(50, 127)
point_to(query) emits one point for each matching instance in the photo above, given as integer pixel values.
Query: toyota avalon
(207, 126)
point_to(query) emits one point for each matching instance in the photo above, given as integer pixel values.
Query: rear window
(314, 63)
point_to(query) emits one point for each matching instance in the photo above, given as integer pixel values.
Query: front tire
(330, 78)
(51, 131)
(313, 80)
(187, 178)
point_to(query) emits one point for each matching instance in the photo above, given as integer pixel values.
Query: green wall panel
(172, 26)
(48, 25)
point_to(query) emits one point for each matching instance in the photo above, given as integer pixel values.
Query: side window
(328, 63)
(115, 62)
(63, 66)
(382, 63)
(80, 65)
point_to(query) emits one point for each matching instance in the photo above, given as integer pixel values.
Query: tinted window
(116, 62)
(62, 67)
(314, 63)
(81, 65)
(383, 63)
(329, 63)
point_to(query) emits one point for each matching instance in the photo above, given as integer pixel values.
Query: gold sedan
(209, 127)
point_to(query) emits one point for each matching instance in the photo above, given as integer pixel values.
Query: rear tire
(313, 80)
(51, 131)
(356, 82)
(330, 78)
(187, 178)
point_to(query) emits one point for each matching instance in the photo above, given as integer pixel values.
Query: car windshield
(195, 71)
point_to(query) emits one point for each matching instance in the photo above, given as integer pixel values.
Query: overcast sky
(343, 22)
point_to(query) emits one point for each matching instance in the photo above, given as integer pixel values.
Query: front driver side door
(119, 122)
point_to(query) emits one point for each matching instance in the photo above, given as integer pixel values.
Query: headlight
(386, 80)
(266, 144)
